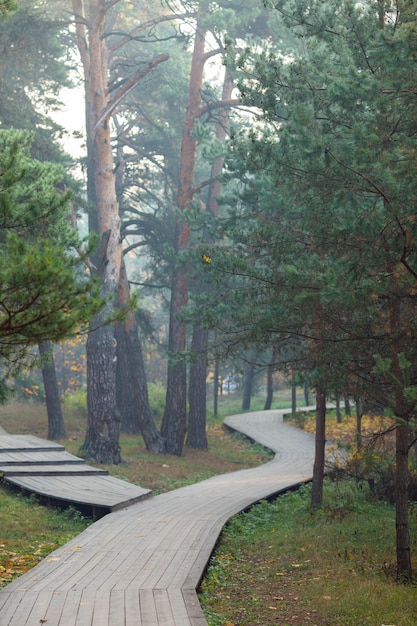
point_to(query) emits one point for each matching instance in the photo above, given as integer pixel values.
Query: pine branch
(128, 86)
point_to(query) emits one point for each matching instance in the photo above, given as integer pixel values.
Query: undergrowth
(282, 563)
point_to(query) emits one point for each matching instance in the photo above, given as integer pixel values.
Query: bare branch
(128, 86)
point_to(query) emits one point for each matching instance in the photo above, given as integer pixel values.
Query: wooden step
(52, 470)
(16, 443)
(39, 457)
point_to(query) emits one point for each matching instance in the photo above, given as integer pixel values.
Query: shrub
(156, 392)
(377, 469)
(76, 403)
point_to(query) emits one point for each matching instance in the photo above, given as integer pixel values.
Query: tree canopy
(323, 231)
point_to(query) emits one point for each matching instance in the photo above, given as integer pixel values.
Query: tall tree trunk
(306, 393)
(347, 406)
(196, 436)
(136, 385)
(402, 413)
(217, 389)
(198, 373)
(129, 419)
(175, 415)
(102, 436)
(248, 378)
(319, 459)
(338, 413)
(269, 386)
(56, 428)
(293, 399)
(359, 414)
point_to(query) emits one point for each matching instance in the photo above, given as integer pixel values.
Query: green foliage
(7, 6)
(44, 293)
(319, 236)
(35, 66)
(76, 403)
(282, 563)
(375, 468)
(157, 393)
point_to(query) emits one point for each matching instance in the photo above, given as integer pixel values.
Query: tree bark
(216, 387)
(319, 459)
(347, 406)
(129, 419)
(293, 399)
(102, 436)
(133, 376)
(306, 393)
(196, 436)
(402, 477)
(56, 428)
(247, 384)
(174, 421)
(269, 387)
(338, 412)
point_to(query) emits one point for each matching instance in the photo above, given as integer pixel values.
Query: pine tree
(327, 252)
(44, 293)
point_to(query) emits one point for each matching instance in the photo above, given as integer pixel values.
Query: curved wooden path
(141, 566)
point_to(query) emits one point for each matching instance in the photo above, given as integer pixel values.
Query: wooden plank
(36, 457)
(9, 607)
(163, 608)
(117, 615)
(70, 608)
(14, 443)
(55, 608)
(52, 470)
(101, 609)
(94, 490)
(85, 608)
(148, 612)
(39, 610)
(132, 607)
(194, 610)
(179, 610)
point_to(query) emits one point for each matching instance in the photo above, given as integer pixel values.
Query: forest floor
(277, 564)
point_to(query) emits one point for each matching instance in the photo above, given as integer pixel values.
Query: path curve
(140, 566)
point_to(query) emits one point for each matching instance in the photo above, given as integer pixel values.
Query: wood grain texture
(142, 564)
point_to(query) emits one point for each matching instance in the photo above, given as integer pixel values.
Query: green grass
(29, 532)
(281, 563)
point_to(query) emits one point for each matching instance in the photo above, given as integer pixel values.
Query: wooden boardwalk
(43, 467)
(141, 566)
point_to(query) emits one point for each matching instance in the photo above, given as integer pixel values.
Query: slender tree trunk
(306, 394)
(319, 460)
(56, 428)
(196, 436)
(269, 386)
(293, 399)
(404, 566)
(248, 379)
(129, 419)
(137, 388)
(216, 387)
(347, 406)
(359, 413)
(338, 413)
(175, 415)
(198, 367)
